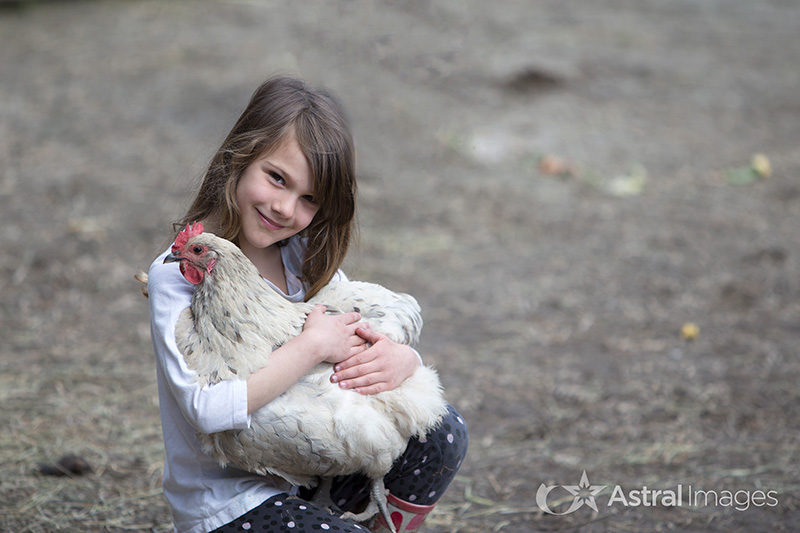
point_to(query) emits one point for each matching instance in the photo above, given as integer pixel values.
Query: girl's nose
(285, 206)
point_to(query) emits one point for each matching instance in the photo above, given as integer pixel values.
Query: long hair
(279, 108)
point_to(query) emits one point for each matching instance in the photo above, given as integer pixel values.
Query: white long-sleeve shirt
(203, 496)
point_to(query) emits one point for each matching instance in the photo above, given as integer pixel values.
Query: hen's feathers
(315, 428)
(395, 315)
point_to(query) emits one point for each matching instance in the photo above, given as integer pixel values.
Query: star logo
(584, 493)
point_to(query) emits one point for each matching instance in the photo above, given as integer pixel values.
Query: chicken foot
(377, 503)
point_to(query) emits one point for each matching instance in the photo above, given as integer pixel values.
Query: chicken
(315, 430)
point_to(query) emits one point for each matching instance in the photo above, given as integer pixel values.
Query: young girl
(282, 187)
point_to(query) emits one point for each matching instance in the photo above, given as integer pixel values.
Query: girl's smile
(269, 223)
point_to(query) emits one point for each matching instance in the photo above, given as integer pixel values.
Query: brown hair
(279, 108)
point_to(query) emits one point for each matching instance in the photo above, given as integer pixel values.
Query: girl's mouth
(268, 222)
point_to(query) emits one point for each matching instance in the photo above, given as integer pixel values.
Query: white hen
(315, 429)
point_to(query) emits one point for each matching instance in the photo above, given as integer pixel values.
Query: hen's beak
(174, 257)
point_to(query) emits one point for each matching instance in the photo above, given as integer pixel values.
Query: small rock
(68, 465)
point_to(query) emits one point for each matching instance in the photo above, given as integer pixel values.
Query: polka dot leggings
(420, 476)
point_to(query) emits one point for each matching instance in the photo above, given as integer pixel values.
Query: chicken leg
(377, 503)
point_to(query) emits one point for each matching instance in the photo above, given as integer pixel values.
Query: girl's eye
(309, 198)
(277, 177)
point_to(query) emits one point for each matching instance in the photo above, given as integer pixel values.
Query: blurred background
(596, 204)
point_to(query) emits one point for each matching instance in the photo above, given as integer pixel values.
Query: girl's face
(275, 196)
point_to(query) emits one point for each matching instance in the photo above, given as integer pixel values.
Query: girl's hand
(333, 338)
(382, 366)
(324, 337)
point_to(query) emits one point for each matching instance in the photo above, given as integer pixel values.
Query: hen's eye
(197, 249)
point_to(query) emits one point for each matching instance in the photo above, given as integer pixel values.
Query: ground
(562, 185)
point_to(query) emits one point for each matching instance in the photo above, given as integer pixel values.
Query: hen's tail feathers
(141, 277)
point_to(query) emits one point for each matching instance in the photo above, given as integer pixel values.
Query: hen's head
(195, 251)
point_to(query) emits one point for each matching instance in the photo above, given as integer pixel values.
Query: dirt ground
(562, 184)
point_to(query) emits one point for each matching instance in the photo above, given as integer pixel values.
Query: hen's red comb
(188, 232)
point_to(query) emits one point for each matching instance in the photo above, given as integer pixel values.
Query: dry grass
(553, 308)
(106, 415)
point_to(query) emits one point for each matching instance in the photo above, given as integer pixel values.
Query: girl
(282, 187)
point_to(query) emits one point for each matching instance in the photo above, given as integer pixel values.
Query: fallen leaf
(552, 165)
(690, 331)
(758, 169)
(761, 165)
(630, 184)
(741, 176)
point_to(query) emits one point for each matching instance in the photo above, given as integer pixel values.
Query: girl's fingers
(317, 311)
(351, 318)
(361, 382)
(360, 356)
(355, 350)
(372, 389)
(368, 334)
